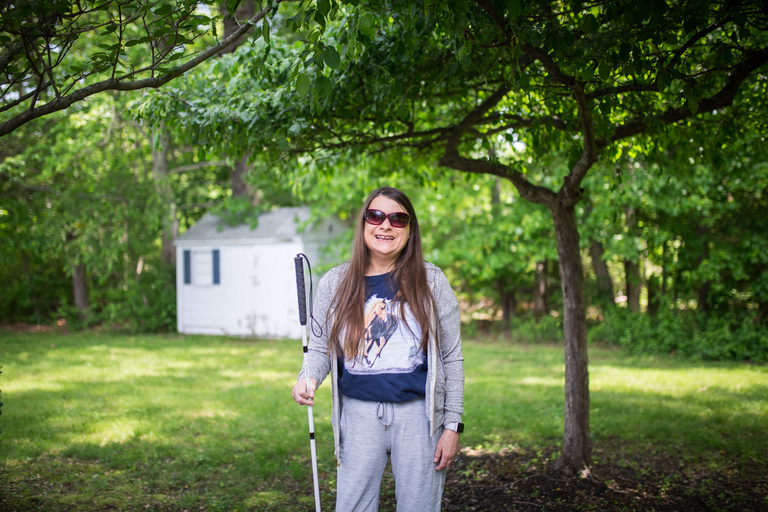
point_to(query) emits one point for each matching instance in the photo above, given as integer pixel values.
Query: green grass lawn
(97, 421)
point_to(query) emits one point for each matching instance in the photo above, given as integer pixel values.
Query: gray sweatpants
(372, 432)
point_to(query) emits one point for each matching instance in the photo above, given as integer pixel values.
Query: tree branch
(571, 189)
(570, 192)
(719, 100)
(452, 159)
(119, 84)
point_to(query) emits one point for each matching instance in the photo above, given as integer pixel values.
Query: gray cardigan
(445, 368)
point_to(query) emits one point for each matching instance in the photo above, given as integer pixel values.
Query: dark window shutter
(216, 273)
(187, 266)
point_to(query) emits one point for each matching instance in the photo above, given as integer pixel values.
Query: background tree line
(611, 160)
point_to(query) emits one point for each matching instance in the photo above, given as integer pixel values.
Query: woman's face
(384, 241)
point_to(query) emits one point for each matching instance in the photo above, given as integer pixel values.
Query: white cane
(303, 321)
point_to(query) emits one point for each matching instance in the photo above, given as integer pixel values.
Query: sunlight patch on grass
(540, 381)
(267, 498)
(102, 433)
(212, 412)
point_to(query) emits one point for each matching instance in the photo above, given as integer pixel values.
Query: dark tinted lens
(399, 219)
(374, 217)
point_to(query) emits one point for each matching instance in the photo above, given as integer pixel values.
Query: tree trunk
(80, 290)
(540, 295)
(240, 187)
(702, 294)
(633, 287)
(245, 10)
(602, 275)
(577, 448)
(508, 304)
(164, 191)
(664, 272)
(653, 294)
(632, 267)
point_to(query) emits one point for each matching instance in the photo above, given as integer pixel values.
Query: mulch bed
(625, 480)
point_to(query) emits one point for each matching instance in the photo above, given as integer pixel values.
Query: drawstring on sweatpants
(385, 412)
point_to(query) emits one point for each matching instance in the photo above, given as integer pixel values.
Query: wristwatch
(456, 427)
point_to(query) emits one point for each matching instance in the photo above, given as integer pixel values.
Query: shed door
(274, 290)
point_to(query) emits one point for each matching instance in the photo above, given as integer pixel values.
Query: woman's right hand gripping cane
(303, 395)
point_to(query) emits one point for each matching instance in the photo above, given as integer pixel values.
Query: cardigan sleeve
(449, 340)
(318, 363)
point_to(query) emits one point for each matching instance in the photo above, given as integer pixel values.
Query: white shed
(241, 281)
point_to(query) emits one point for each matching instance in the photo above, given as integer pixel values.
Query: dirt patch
(59, 326)
(525, 481)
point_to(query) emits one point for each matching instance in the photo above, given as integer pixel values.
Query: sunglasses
(396, 219)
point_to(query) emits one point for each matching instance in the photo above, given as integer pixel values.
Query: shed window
(202, 268)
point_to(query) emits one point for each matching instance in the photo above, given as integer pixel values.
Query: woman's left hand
(447, 448)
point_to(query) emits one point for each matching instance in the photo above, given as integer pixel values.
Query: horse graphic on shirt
(380, 324)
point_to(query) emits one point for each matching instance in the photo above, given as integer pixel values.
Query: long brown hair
(409, 278)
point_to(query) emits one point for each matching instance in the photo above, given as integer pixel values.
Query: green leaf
(323, 7)
(294, 129)
(320, 19)
(141, 40)
(331, 57)
(265, 30)
(604, 69)
(232, 5)
(302, 84)
(163, 10)
(368, 25)
(589, 24)
(323, 86)
(663, 79)
(692, 102)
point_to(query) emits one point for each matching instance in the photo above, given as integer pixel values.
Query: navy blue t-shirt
(392, 368)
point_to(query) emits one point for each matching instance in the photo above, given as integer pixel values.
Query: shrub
(547, 329)
(525, 328)
(148, 304)
(690, 333)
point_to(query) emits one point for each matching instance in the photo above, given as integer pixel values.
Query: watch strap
(457, 427)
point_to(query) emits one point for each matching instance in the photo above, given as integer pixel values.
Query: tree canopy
(58, 52)
(450, 80)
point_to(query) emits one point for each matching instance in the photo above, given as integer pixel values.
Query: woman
(390, 339)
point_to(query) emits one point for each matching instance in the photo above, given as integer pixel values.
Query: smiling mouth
(384, 237)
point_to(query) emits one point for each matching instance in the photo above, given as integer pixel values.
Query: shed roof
(279, 224)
